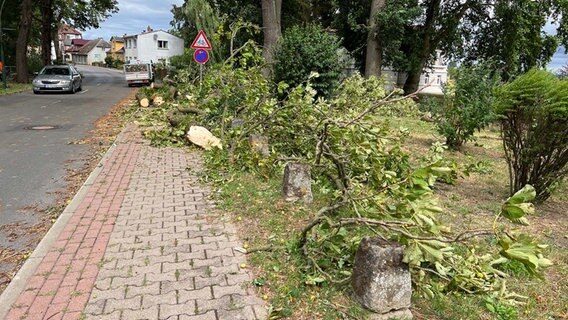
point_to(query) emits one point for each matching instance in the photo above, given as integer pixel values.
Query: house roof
(79, 42)
(148, 32)
(84, 50)
(65, 29)
(116, 39)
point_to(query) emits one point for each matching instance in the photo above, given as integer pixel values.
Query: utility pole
(4, 68)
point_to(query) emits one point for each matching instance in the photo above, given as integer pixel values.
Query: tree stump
(297, 184)
(381, 281)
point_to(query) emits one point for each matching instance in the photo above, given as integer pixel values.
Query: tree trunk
(412, 81)
(373, 60)
(428, 46)
(46, 10)
(56, 45)
(271, 24)
(25, 28)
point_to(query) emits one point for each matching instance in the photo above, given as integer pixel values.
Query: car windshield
(56, 71)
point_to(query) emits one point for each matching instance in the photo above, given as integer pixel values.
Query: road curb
(27, 270)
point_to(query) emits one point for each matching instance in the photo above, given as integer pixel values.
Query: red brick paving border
(63, 281)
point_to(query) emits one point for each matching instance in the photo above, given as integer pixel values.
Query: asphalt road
(33, 162)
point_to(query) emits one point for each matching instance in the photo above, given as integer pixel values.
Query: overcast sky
(133, 17)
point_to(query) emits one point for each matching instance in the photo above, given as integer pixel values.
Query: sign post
(201, 44)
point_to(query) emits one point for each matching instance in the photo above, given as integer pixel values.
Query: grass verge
(265, 220)
(14, 88)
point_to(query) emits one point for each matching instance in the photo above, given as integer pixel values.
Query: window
(426, 79)
(162, 44)
(134, 43)
(439, 80)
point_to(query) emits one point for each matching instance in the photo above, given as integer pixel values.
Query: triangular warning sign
(201, 41)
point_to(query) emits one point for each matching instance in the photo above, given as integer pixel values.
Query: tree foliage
(511, 33)
(467, 104)
(304, 50)
(359, 164)
(534, 113)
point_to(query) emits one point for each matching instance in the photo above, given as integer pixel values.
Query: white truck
(138, 73)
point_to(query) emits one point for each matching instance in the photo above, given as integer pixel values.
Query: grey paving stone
(142, 314)
(171, 252)
(169, 310)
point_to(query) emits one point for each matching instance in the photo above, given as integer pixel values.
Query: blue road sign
(201, 56)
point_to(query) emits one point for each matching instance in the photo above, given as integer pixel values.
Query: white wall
(130, 51)
(98, 54)
(148, 46)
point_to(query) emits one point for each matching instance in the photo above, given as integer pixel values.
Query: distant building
(91, 52)
(152, 45)
(431, 80)
(65, 35)
(116, 50)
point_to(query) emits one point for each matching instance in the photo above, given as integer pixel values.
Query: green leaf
(512, 212)
(526, 194)
(441, 170)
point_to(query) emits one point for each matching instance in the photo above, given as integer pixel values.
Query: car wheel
(72, 89)
(80, 88)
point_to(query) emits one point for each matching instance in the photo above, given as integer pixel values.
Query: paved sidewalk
(142, 243)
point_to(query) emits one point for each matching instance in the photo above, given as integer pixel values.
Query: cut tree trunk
(25, 28)
(157, 100)
(143, 100)
(373, 60)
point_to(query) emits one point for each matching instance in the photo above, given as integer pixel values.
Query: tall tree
(511, 34)
(46, 10)
(81, 14)
(373, 59)
(272, 27)
(25, 28)
(507, 31)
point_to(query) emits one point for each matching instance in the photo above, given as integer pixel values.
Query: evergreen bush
(304, 50)
(534, 121)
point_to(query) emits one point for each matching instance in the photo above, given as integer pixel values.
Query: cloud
(559, 60)
(133, 17)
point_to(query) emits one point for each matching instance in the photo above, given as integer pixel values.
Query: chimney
(149, 29)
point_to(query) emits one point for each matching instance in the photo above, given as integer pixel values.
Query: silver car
(58, 78)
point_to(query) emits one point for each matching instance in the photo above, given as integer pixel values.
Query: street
(38, 143)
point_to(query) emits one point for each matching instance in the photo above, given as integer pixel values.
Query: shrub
(534, 123)
(466, 106)
(34, 63)
(304, 50)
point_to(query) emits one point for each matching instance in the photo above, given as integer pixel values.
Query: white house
(93, 51)
(431, 80)
(152, 45)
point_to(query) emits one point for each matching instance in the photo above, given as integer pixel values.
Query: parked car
(58, 78)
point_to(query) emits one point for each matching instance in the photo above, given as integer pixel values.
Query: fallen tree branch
(376, 105)
(395, 226)
(191, 110)
(268, 248)
(318, 218)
